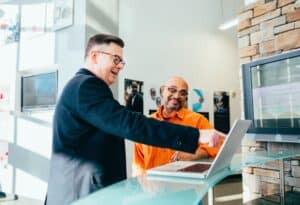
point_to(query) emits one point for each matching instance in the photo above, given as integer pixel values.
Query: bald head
(175, 93)
(177, 81)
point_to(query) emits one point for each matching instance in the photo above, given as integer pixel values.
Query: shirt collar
(179, 114)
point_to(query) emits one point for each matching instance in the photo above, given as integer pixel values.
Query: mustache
(174, 98)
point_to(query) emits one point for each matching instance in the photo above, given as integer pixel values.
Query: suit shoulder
(83, 86)
(89, 79)
(89, 83)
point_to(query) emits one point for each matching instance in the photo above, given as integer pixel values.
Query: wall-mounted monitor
(38, 89)
(272, 94)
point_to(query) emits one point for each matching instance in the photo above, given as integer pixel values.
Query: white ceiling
(23, 1)
(231, 8)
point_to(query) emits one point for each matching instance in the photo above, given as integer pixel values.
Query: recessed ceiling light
(229, 24)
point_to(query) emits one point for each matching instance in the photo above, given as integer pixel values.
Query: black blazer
(89, 128)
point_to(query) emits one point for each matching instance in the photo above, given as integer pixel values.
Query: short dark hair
(99, 39)
(134, 84)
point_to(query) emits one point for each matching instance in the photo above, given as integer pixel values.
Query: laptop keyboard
(195, 168)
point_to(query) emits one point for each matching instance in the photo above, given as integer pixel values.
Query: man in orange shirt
(175, 93)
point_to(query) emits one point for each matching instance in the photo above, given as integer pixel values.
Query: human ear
(93, 57)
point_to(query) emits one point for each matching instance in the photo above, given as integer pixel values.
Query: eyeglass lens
(173, 90)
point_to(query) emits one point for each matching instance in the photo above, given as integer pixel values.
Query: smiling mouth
(174, 101)
(115, 73)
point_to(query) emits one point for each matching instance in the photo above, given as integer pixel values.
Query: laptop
(201, 170)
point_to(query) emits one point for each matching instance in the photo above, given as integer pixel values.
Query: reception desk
(148, 190)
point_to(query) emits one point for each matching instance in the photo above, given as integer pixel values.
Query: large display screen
(272, 94)
(39, 91)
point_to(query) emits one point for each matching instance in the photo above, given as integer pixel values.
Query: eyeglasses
(173, 90)
(116, 59)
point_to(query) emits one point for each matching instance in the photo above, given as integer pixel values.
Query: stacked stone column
(266, 28)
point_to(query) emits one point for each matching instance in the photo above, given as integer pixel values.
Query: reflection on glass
(36, 36)
(33, 20)
(9, 36)
(9, 25)
(276, 94)
(49, 16)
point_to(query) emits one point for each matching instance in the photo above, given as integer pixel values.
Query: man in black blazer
(89, 128)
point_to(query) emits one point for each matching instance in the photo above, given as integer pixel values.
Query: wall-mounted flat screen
(272, 94)
(39, 91)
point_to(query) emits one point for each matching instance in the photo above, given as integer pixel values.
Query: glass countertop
(147, 190)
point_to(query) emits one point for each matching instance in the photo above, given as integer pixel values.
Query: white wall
(102, 17)
(175, 37)
(34, 139)
(70, 44)
(91, 17)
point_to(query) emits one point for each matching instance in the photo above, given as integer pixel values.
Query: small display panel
(39, 91)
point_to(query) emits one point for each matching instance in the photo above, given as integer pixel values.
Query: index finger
(221, 134)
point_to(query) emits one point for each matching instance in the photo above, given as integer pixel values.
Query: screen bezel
(248, 97)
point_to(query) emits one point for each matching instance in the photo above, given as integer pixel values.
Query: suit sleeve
(96, 105)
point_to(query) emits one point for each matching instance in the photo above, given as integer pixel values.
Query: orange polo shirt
(146, 157)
